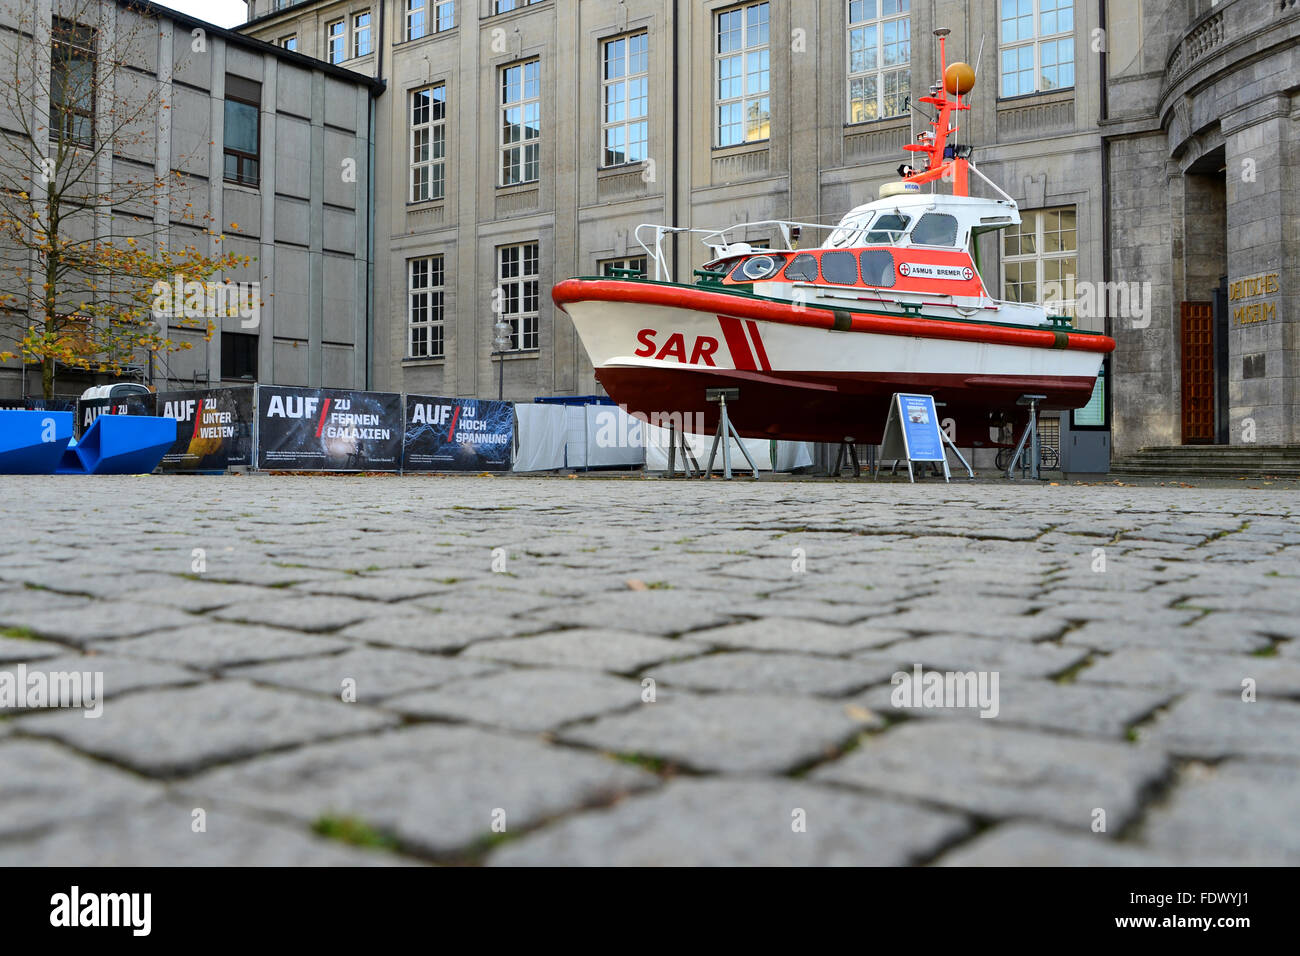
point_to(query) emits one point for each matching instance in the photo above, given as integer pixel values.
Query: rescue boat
(818, 339)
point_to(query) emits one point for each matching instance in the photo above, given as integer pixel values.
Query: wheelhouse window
(521, 124)
(1040, 259)
(877, 267)
(802, 269)
(1036, 45)
(840, 268)
(518, 279)
(625, 99)
(242, 130)
(428, 143)
(742, 76)
(424, 17)
(424, 315)
(880, 55)
(72, 83)
(935, 229)
(888, 229)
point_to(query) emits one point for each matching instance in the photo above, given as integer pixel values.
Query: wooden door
(1198, 373)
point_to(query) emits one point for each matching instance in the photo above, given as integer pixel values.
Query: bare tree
(92, 218)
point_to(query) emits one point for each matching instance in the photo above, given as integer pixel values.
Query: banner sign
(448, 434)
(214, 428)
(912, 432)
(88, 409)
(328, 429)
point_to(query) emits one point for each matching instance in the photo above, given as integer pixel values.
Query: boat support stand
(1030, 435)
(677, 442)
(726, 432)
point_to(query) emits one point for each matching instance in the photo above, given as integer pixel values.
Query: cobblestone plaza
(618, 671)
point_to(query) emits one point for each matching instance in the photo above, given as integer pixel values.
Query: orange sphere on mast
(959, 78)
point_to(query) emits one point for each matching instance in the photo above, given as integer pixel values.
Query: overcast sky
(224, 13)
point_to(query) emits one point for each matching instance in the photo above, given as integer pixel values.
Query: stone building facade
(301, 220)
(525, 141)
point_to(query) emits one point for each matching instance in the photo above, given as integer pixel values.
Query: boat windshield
(848, 233)
(888, 229)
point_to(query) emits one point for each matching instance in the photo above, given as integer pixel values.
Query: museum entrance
(1203, 312)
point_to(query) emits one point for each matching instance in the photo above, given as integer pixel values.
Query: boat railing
(721, 242)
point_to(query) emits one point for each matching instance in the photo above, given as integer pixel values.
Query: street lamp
(500, 340)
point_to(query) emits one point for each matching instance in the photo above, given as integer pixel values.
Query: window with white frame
(1036, 45)
(428, 143)
(361, 34)
(1040, 259)
(428, 16)
(424, 315)
(517, 278)
(521, 123)
(625, 99)
(628, 264)
(505, 6)
(289, 42)
(880, 55)
(336, 41)
(742, 76)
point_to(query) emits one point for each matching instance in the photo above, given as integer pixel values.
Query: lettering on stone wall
(1254, 287)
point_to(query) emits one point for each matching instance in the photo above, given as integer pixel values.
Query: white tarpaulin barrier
(614, 438)
(540, 438)
(789, 455)
(575, 436)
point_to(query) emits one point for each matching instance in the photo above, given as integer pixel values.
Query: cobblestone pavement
(648, 672)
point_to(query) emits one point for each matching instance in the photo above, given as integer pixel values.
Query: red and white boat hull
(815, 374)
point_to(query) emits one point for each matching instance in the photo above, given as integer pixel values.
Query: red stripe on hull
(827, 406)
(737, 344)
(820, 317)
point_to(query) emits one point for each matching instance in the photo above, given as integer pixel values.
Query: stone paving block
(1033, 844)
(1273, 676)
(303, 612)
(1238, 813)
(15, 649)
(161, 834)
(527, 699)
(971, 621)
(376, 673)
(650, 612)
(23, 600)
(100, 620)
(198, 597)
(728, 732)
(426, 630)
(589, 648)
(1115, 635)
(216, 644)
(1003, 772)
(977, 653)
(1044, 704)
(740, 823)
(435, 788)
(748, 671)
(809, 637)
(1212, 725)
(43, 784)
(168, 733)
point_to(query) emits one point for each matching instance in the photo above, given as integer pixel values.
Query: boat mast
(942, 160)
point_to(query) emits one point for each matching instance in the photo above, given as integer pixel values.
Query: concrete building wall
(304, 225)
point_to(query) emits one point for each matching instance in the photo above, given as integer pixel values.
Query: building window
(289, 42)
(336, 41)
(517, 277)
(621, 267)
(521, 123)
(625, 100)
(428, 143)
(880, 53)
(505, 6)
(1037, 46)
(361, 34)
(428, 16)
(72, 83)
(238, 355)
(742, 74)
(424, 307)
(243, 135)
(1040, 259)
